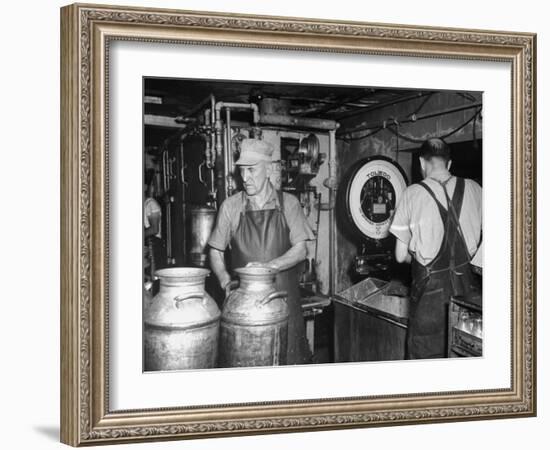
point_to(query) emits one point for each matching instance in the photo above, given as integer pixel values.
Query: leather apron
(261, 236)
(433, 285)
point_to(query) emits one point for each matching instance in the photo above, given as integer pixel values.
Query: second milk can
(254, 324)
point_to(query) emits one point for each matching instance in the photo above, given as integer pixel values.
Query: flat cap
(254, 151)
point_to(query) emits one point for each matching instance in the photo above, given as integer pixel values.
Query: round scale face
(373, 193)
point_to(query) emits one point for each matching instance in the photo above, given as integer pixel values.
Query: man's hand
(228, 287)
(293, 256)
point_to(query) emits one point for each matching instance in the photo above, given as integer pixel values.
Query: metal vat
(270, 105)
(181, 323)
(202, 223)
(254, 324)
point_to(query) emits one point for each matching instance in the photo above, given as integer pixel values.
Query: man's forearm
(402, 254)
(154, 227)
(217, 263)
(291, 257)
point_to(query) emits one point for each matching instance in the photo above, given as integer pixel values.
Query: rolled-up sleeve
(221, 235)
(400, 226)
(296, 220)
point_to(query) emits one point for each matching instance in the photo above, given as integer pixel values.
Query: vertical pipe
(332, 202)
(223, 180)
(169, 231)
(208, 139)
(166, 186)
(164, 172)
(225, 165)
(183, 204)
(207, 154)
(397, 142)
(220, 164)
(319, 195)
(228, 152)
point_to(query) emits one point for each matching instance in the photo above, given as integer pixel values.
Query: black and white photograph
(293, 224)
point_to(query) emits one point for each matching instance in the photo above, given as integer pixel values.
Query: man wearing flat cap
(437, 225)
(263, 227)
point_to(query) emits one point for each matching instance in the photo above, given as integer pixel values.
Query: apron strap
(244, 203)
(280, 197)
(442, 211)
(458, 197)
(455, 207)
(281, 207)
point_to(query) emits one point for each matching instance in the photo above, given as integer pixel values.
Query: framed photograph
(284, 224)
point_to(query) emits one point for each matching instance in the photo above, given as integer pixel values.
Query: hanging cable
(466, 96)
(358, 138)
(417, 118)
(461, 126)
(420, 141)
(351, 138)
(405, 137)
(417, 110)
(412, 116)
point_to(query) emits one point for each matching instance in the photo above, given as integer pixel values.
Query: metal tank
(181, 323)
(202, 223)
(254, 324)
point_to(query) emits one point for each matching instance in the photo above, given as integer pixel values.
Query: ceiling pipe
(162, 121)
(298, 122)
(339, 104)
(231, 105)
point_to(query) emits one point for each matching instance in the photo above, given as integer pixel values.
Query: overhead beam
(163, 121)
(152, 99)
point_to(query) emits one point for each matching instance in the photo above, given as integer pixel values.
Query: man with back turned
(437, 224)
(263, 227)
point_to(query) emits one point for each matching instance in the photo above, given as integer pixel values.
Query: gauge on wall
(374, 188)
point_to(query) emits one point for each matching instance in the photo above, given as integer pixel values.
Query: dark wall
(467, 162)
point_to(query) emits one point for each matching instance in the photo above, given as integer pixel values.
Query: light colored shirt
(229, 217)
(150, 208)
(417, 222)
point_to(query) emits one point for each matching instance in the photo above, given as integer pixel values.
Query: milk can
(254, 324)
(181, 323)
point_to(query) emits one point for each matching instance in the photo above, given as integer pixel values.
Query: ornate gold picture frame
(87, 31)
